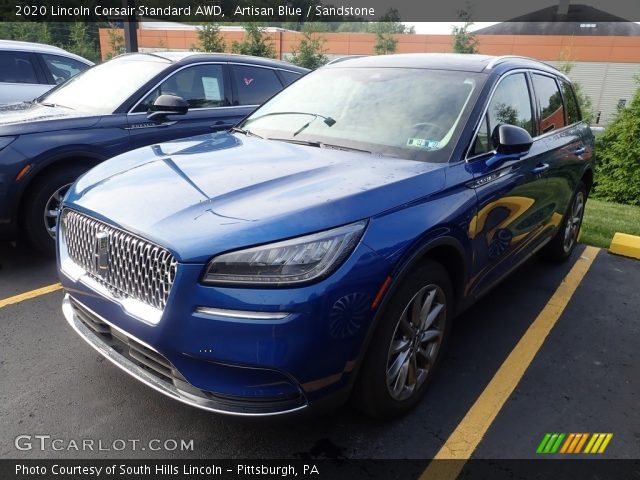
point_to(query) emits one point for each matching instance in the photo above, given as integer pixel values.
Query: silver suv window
(62, 68)
(17, 67)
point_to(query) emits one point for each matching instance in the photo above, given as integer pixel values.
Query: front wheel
(42, 207)
(561, 247)
(407, 345)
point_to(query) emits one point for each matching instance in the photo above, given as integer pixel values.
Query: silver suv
(27, 70)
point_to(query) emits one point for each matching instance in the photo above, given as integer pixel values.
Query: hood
(27, 117)
(204, 195)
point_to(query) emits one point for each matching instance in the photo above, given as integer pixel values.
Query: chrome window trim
(300, 74)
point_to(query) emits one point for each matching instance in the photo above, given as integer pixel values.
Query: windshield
(403, 112)
(103, 88)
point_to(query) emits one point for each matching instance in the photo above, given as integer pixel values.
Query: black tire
(560, 248)
(39, 195)
(373, 394)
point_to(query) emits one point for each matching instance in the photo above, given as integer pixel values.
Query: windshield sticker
(423, 143)
(211, 88)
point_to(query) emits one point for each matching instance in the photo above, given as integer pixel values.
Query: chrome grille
(136, 268)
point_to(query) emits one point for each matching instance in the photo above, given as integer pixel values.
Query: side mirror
(510, 142)
(167, 105)
(511, 139)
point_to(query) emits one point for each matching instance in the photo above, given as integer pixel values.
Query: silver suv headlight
(289, 262)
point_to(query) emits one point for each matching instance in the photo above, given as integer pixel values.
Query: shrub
(618, 154)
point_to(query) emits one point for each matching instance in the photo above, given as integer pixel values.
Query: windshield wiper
(55, 105)
(342, 147)
(297, 142)
(327, 120)
(315, 143)
(246, 132)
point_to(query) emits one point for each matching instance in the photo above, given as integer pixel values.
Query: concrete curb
(625, 245)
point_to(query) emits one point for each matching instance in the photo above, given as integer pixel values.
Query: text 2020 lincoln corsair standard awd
(322, 248)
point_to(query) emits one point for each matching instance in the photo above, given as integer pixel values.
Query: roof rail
(497, 60)
(344, 58)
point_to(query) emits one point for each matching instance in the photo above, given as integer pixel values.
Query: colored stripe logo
(574, 443)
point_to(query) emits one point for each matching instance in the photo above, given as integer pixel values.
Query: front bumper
(147, 365)
(231, 350)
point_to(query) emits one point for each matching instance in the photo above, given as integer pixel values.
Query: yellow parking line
(31, 294)
(465, 438)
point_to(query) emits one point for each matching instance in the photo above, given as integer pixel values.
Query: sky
(443, 28)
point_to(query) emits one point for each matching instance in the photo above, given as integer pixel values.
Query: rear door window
(254, 85)
(17, 67)
(549, 103)
(573, 110)
(289, 77)
(62, 68)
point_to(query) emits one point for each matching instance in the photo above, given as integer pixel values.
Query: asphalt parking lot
(584, 378)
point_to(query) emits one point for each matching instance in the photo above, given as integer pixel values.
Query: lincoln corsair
(322, 248)
(46, 144)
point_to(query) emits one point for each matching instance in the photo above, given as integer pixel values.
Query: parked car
(324, 247)
(27, 70)
(47, 144)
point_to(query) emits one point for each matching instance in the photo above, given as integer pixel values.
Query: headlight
(286, 263)
(5, 141)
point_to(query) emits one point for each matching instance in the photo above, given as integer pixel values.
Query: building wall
(605, 66)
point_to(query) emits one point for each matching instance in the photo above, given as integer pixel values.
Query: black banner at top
(224, 11)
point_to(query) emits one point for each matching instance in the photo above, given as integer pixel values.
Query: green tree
(80, 43)
(254, 42)
(26, 31)
(618, 154)
(385, 42)
(210, 38)
(584, 100)
(388, 25)
(116, 43)
(310, 50)
(463, 40)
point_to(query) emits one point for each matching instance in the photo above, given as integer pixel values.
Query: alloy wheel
(574, 222)
(416, 342)
(52, 210)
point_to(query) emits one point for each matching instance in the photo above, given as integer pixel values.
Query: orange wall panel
(543, 47)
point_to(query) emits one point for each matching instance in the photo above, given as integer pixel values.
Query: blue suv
(45, 145)
(322, 249)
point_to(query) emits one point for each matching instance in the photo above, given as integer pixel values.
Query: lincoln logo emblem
(101, 253)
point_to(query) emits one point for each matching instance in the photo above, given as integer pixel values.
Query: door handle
(540, 168)
(579, 151)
